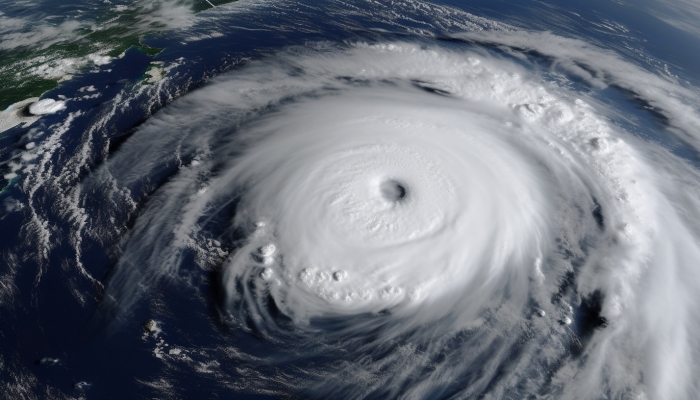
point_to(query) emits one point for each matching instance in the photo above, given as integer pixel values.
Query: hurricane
(372, 200)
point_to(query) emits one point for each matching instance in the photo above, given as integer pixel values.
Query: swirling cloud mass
(446, 199)
(458, 217)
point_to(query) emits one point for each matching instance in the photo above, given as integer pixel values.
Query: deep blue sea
(368, 199)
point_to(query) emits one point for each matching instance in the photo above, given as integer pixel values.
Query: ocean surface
(333, 199)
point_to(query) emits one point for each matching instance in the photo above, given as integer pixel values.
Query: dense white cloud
(431, 182)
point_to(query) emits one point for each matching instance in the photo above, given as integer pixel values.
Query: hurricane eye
(392, 191)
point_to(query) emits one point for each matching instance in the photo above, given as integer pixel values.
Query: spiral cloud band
(430, 215)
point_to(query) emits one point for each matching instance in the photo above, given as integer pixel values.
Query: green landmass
(9, 184)
(31, 71)
(154, 73)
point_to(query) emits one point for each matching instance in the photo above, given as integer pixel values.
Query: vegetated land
(31, 70)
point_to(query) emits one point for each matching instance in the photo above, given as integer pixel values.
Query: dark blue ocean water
(50, 342)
